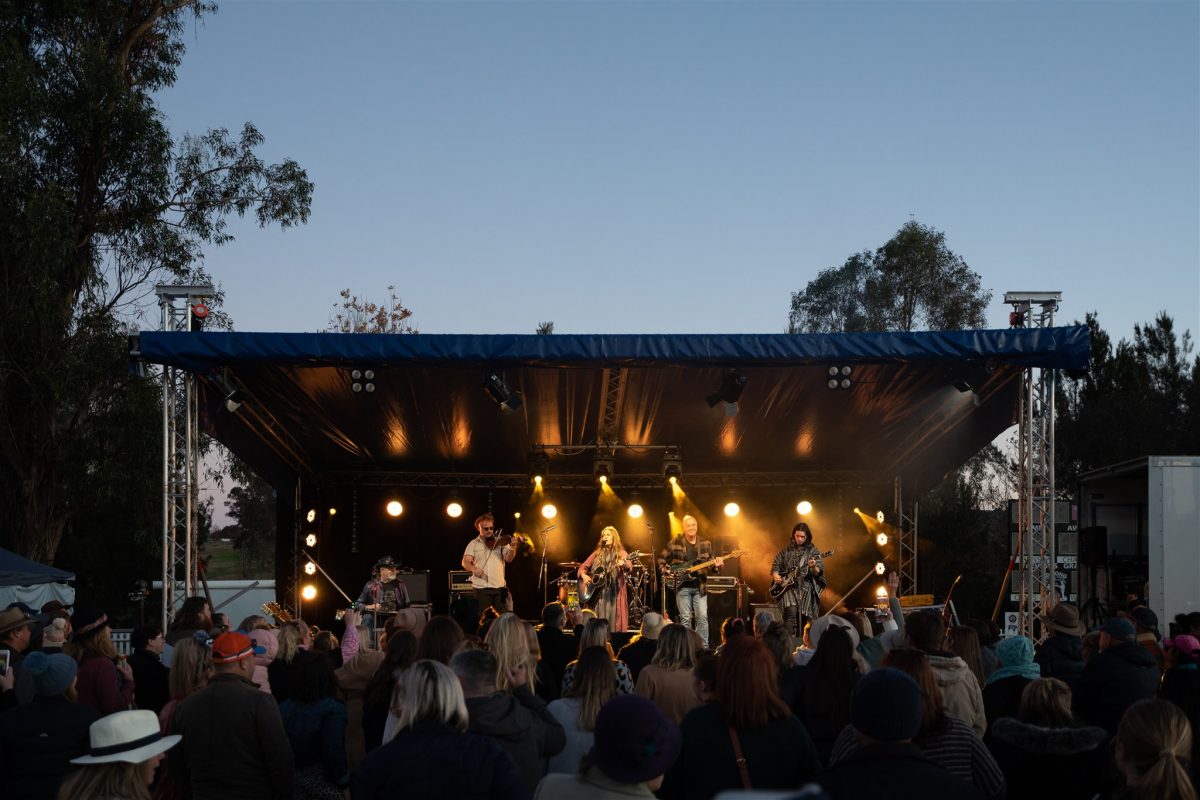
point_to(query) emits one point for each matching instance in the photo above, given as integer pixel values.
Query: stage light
(362, 380)
(602, 464)
(537, 479)
(503, 396)
(856, 511)
(311, 515)
(674, 481)
(879, 516)
(332, 511)
(880, 568)
(603, 478)
(804, 508)
(310, 540)
(309, 592)
(394, 508)
(881, 540)
(672, 466)
(516, 515)
(881, 591)
(454, 509)
(732, 509)
(635, 510)
(310, 568)
(670, 513)
(539, 467)
(549, 511)
(732, 384)
(839, 377)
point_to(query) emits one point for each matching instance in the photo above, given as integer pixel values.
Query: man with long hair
(801, 562)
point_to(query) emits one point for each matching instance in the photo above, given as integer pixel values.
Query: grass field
(225, 563)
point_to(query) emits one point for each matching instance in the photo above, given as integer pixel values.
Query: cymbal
(569, 564)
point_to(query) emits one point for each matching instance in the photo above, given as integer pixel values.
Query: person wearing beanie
(886, 713)
(1002, 694)
(105, 680)
(635, 744)
(39, 739)
(1122, 673)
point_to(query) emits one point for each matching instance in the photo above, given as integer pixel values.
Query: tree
(1137, 398)
(251, 504)
(912, 282)
(545, 328)
(98, 205)
(353, 314)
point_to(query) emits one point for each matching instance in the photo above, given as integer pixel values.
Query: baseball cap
(229, 648)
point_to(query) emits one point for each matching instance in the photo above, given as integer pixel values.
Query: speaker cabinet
(465, 610)
(722, 605)
(417, 584)
(1093, 546)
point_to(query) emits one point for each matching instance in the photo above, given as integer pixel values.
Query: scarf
(1016, 659)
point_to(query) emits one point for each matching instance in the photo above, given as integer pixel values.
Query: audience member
(667, 680)
(825, 688)
(595, 684)
(506, 642)
(963, 641)
(55, 633)
(762, 620)
(732, 627)
(513, 717)
(640, 649)
(441, 639)
(293, 639)
(105, 681)
(1145, 624)
(1152, 749)
(150, 677)
(595, 634)
(353, 677)
(1002, 694)
(254, 622)
(705, 677)
(1060, 655)
(315, 723)
(39, 739)
(432, 756)
(818, 627)
(220, 624)
(558, 648)
(635, 744)
(961, 693)
(778, 642)
(194, 615)
(943, 738)
(748, 715)
(541, 672)
(886, 714)
(125, 750)
(1044, 752)
(1122, 673)
(234, 744)
(190, 670)
(14, 637)
(1181, 683)
(377, 696)
(266, 644)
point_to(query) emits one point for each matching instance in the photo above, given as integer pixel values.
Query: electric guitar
(793, 577)
(681, 571)
(598, 578)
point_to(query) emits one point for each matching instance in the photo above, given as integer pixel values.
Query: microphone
(549, 528)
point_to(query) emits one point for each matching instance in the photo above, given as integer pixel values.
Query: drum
(636, 576)
(568, 592)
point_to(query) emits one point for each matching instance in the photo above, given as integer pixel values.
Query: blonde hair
(118, 779)
(429, 692)
(364, 638)
(1046, 702)
(290, 637)
(190, 667)
(595, 634)
(675, 649)
(506, 641)
(97, 645)
(1154, 741)
(532, 641)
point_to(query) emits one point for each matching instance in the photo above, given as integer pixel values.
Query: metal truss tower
(1035, 471)
(181, 457)
(907, 546)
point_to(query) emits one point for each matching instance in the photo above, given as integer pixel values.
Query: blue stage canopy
(919, 404)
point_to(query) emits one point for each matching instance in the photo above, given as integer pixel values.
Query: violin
(522, 542)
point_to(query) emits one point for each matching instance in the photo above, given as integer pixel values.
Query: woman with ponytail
(1153, 747)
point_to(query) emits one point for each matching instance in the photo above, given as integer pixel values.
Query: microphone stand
(543, 581)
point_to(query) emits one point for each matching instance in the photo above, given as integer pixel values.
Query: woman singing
(608, 564)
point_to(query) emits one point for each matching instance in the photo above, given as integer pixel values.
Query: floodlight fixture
(394, 508)
(672, 467)
(501, 393)
(730, 391)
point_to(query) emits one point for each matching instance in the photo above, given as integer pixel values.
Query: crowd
(919, 709)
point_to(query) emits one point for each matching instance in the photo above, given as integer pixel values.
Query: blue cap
(1119, 628)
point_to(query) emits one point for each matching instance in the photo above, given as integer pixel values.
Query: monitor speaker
(417, 584)
(1093, 546)
(721, 606)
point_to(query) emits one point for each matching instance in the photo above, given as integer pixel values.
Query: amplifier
(721, 583)
(417, 583)
(460, 580)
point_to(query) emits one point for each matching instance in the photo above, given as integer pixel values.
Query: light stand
(861, 581)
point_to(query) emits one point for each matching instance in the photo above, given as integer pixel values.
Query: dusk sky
(685, 166)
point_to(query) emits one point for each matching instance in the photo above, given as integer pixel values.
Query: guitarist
(800, 603)
(608, 564)
(688, 548)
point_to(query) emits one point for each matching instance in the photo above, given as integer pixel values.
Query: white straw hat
(129, 736)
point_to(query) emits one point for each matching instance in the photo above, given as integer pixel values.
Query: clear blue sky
(685, 166)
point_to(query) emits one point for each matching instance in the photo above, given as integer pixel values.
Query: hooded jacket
(961, 694)
(1113, 681)
(1064, 763)
(1061, 656)
(520, 723)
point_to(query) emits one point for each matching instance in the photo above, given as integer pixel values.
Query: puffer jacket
(961, 694)
(1066, 763)
(1061, 656)
(1113, 681)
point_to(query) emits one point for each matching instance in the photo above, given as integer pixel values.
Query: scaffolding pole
(907, 545)
(181, 457)
(1035, 462)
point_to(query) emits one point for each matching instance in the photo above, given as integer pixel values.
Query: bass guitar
(598, 578)
(793, 577)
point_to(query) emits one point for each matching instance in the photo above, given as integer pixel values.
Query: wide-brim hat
(13, 618)
(386, 561)
(634, 740)
(1064, 618)
(128, 736)
(87, 621)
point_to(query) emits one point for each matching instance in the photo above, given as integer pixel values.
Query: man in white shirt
(484, 558)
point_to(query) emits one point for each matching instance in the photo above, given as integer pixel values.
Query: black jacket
(149, 681)
(436, 762)
(37, 742)
(1002, 698)
(637, 654)
(1061, 656)
(521, 724)
(1063, 763)
(558, 650)
(894, 771)
(233, 743)
(1113, 681)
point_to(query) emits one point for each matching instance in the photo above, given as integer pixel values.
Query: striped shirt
(956, 748)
